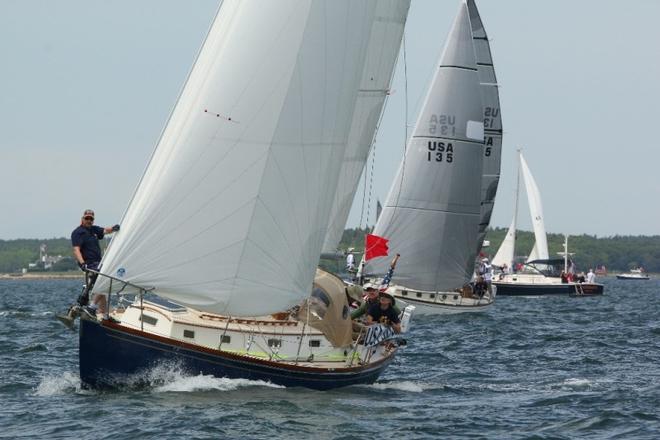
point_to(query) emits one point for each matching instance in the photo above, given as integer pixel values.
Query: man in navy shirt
(383, 313)
(87, 252)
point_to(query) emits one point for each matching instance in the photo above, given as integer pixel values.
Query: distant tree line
(618, 253)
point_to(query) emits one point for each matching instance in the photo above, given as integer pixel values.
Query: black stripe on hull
(521, 289)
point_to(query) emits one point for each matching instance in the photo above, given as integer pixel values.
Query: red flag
(375, 246)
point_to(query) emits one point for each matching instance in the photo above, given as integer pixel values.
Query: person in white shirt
(591, 276)
(350, 260)
(486, 271)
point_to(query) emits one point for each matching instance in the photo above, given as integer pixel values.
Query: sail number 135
(440, 152)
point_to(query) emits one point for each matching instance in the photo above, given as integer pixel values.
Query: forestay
(432, 212)
(383, 47)
(233, 208)
(492, 120)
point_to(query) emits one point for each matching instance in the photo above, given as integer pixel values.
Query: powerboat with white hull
(634, 274)
(440, 201)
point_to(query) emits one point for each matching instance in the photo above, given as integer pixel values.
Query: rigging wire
(405, 140)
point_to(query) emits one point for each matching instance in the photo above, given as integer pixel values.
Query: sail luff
(492, 120)
(431, 215)
(232, 211)
(385, 40)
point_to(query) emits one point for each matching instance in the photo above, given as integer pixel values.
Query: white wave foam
(203, 382)
(56, 385)
(577, 383)
(23, 313)
(408, 386)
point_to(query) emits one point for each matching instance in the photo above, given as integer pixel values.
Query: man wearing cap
(383, 313)
(371, 298)
(87, 252)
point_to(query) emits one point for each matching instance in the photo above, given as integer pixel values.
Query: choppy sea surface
(530, 368)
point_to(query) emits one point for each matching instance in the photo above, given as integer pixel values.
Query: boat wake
(65, 383)
(411, 387)
(577, 384)
(201, 382)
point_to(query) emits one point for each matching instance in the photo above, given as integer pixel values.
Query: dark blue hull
(112, 356)
(522, 289)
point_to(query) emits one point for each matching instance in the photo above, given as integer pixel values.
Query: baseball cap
(369, 286)
(88, 212)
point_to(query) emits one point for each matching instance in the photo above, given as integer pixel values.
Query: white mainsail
(233, 209)
(431, 215)
(540, 250)
(492, 120)
(384, 46)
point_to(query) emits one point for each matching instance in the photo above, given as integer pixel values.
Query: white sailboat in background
(225, 229)
(433, 211)
(540, 275)
(505, 254)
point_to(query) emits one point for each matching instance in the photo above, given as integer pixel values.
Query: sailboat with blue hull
(214, 270)
(101, 368)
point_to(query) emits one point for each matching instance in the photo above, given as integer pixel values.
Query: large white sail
(492, 120)
(431, 215)
(384, 45)
(540, 250)
(233, 209)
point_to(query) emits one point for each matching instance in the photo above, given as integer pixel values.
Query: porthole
(225, 339)
(404, 293)
(314, 343)
(189, 334)
(432, 295)
(444, 296)
(274, 343)
(419, 294)
(455, 297)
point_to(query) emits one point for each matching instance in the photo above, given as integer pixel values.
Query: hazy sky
(87, 85)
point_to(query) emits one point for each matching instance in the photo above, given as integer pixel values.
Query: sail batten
(233, 209)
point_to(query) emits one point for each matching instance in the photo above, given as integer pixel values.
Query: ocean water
(530, 368)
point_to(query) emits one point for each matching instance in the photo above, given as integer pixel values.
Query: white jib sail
(233, 208)
(384, 45)
(492, 120)
(505, 253)
(540, 250)
(431, 215)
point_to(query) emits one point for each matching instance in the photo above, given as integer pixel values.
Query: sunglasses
(88, 218)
